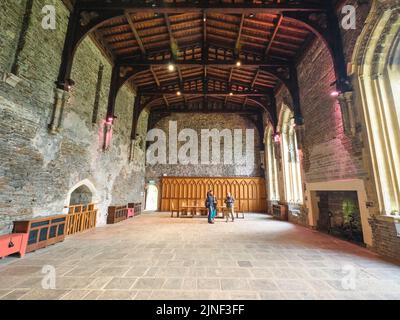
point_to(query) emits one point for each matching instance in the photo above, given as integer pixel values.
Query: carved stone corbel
(132, 150)
(300, 136)
(135, 144)
(87, 17)
(277, 150)
(60, 98)
(346, 101)
(11, 79)
(107, 136)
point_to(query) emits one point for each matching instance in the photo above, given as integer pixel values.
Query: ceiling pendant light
(171, 67)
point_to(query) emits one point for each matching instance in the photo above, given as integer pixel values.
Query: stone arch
(377, 73)
(84, 186)
(271, 164)
(290, 156)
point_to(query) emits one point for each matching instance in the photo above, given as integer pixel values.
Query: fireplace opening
(339, 215)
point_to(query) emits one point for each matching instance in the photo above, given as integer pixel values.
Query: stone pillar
(60, 98)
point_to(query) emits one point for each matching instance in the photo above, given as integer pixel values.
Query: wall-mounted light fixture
(335, 94)
(70, 84)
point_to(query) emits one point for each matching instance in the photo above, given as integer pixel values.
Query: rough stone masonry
(38, 169)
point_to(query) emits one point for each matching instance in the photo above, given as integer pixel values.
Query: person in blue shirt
(211, 205)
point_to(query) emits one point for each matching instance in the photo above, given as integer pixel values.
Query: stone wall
(328, 153)
(38, 169)
(208, 121)
(385, 237)
(10, 29)
(298, 214)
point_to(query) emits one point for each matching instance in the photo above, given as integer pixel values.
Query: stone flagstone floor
(156, 257)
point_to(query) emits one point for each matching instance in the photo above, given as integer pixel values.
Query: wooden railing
(81, 218)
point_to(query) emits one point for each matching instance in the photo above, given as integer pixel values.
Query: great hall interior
(88, 88)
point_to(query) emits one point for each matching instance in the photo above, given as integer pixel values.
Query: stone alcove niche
(83, 193)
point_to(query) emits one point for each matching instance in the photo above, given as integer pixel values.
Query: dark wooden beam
(335, 42)
(172, 41)
(202, 93)
(137, 109)
(253, 83)
(217, 7)
(166, 101)
(271, 41)
(135, 33)
(155, 77)
(240, 30)
(158, 83)
(197, 63)
(112, 96)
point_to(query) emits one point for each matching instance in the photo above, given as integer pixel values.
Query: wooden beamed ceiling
(205, 44)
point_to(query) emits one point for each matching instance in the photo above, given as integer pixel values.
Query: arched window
(290, 158)
(271, 166)
(377, 65)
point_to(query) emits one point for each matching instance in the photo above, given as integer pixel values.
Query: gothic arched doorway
(151, 198)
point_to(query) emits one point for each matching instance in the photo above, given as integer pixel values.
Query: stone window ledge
(387, 218)
(10, 78)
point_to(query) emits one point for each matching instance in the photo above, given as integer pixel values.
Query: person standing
(230, 206)
(210, 205)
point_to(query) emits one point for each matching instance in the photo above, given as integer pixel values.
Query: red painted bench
(13, 243)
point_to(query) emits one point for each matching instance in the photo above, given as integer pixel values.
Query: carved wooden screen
(250, 193)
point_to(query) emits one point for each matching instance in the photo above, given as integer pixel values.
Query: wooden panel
(250, 193)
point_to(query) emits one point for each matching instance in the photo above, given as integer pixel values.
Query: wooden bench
(43, 231)
(13, 243)
(117, 214)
